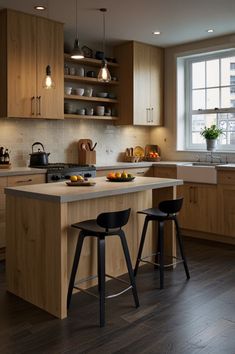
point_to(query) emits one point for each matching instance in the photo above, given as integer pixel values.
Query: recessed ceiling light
(40, 7)
(156, 32)
(210, 30)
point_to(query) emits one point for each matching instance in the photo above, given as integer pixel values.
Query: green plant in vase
(211, 135)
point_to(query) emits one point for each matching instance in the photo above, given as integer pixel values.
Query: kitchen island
(41, 243)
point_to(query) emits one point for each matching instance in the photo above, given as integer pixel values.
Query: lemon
(73, 178)
(118, 175)
(80, 178)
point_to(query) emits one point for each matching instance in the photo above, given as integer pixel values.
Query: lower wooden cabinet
(199, 211)
(226, 209)
(13, 181)
(165, 171)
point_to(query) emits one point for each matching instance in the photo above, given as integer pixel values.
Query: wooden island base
(41, 243)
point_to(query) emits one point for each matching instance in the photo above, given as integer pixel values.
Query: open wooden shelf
(89, 80)
(89, 61)
(77, 116)
(93, 99)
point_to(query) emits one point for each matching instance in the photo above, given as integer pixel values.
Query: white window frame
(184, 96)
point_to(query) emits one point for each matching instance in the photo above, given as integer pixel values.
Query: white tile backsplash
(60, 138)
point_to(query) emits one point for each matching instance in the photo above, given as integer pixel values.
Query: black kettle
(39, 158)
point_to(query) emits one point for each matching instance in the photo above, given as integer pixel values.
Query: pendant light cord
(104, 34)
(76, 19)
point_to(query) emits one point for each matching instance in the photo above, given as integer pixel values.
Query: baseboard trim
(208, 236)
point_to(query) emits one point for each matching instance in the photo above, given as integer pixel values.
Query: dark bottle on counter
(6, 157)
(1, 155)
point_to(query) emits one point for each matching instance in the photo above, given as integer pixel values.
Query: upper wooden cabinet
(28, 44)
(141, 84)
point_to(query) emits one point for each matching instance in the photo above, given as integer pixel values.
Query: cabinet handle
(32, 105)
(195, 195)
(152, 114)
(24, 181)
(190, 194)
(39, 105)
(140, 172)
(147, 114)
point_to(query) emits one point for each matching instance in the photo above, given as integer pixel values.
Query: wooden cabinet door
(142, 112)
(13, 181)
(21, 64)
(165, 172)
(140, 84)
(50, 51)
(3, 183)
(226, 210)
(156, 86)
(199, 211)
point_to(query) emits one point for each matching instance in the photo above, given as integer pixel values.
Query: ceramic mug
(72, 71)
(80, 71)
(88, 92)
(100, 110)
(89, 111)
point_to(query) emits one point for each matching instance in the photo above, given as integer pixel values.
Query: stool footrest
(97, 296)
(178, 260)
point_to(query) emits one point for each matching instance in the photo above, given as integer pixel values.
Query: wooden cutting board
(83, 144)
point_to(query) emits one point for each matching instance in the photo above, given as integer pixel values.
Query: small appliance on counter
(86, 152)
(4, 158)
(39, 158)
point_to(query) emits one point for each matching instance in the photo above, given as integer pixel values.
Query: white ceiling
(180, 21)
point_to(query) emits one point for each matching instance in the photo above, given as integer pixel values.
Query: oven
(57, 172)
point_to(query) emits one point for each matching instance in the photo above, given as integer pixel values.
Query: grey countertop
(61, 193)
(124, 165)
(18, 171)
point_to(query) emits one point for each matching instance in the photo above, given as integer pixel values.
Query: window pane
(197, 138)
(198, 99)
(198, 80)
(227, 97)
(212, 73)
(212, 99)
(225, 71)
(199, 121)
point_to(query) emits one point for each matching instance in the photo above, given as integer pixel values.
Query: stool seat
(94, 229)
(167, 210)
(106, 224)
(153, 212)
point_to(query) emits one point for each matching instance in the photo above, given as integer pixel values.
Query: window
(208, 88)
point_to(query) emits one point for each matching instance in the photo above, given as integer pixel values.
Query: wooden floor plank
(187, 317)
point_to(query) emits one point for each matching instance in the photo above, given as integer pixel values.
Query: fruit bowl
(120, 179)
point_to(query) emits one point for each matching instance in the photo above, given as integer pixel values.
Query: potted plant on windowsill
(211, 134)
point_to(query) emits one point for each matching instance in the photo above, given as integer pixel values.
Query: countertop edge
(160, 183)
(20, 171)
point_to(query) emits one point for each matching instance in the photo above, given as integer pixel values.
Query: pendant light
(104, 74)
(48, 82)
(77, 53)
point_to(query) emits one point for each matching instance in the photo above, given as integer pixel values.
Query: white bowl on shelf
(68, 90)
(79, 91)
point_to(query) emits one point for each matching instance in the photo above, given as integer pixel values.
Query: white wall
(60, 138)
(165, 136)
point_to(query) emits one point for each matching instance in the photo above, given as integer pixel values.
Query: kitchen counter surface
(60, 192)
(228, 166)
(124, 165)
(18, 171)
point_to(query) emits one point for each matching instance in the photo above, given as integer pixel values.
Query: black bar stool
(106, 224)
(166, 210)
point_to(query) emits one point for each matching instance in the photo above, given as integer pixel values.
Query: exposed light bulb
(48, 82)
(104, 74)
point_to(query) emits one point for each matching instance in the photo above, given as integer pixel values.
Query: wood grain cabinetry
(199, 211)
(141, 171)
(165, 171)
(85, 82)
(141, 84)
(226, 202)
(13, 181)
(28, 44)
